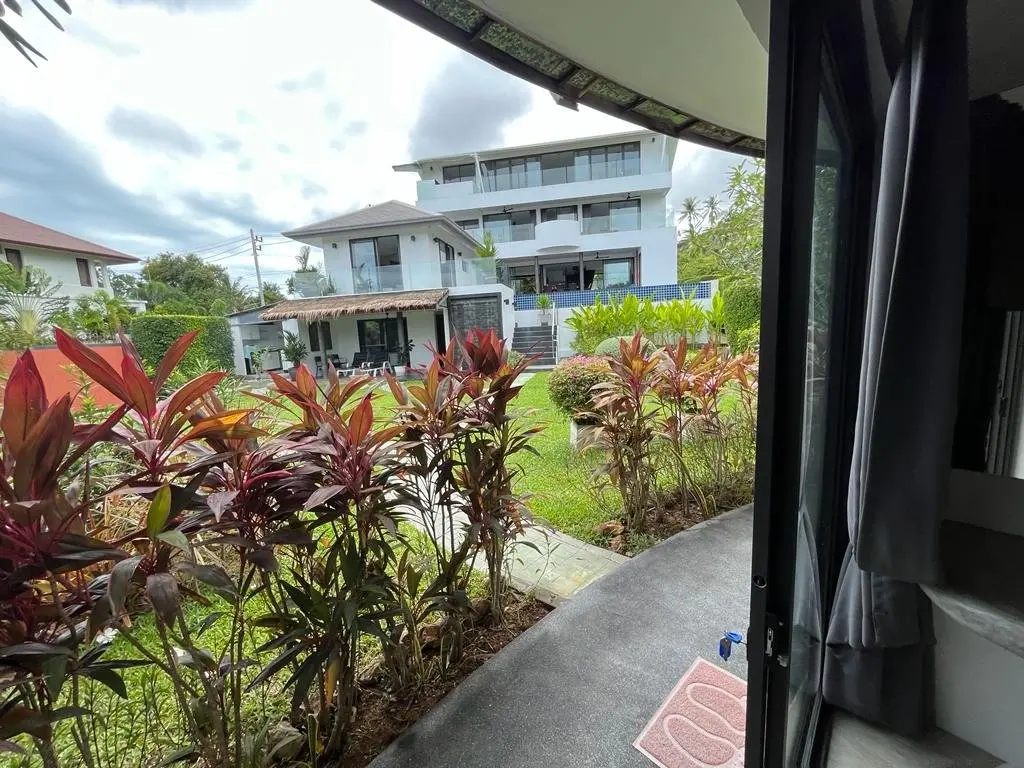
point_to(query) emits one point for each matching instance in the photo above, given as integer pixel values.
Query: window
(314, 337)
(469, 225)
(560, 277)
(384, 335)
(609, 273)
(511, 227)
(455, 173)
(502, 175)
(617, 216)
(446, 254)
(325, 335)
(556, 167)
(14, 258)
(84, 275)
(376, 264)
(561, 213)
(630, 159)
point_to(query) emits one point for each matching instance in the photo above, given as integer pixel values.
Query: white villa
(573, 220)
(77, 265)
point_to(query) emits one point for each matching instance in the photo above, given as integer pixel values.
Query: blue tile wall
(653, 292)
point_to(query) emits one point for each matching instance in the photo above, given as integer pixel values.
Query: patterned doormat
(702, 722)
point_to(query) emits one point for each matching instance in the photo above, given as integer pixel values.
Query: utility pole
(254, 239)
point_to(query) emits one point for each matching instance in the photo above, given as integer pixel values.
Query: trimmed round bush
(610, 347)
(572, 379)
(154, 334)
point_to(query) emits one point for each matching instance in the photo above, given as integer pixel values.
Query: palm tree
(23, 46)
(712, 209)
(28, 318)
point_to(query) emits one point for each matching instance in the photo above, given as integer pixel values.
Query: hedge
(611, 347)
(572, 379)
(742, 308)
(154, 334)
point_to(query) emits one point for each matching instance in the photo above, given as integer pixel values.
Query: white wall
(62, 268)
(421, 264)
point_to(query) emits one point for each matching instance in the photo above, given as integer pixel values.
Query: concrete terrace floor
(578, 687)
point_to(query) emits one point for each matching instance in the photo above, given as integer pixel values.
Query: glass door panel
(808, 621)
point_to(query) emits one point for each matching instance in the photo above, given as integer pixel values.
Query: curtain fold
(877, 661)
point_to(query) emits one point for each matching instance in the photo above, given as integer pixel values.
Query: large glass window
(599, 274)
(523, 279)
(376, 264)
(552, 168)
(472, 226)
(511, 227)
(14, 258)
(616, 216)
(560, 277)
(454, 173)
(561, 213)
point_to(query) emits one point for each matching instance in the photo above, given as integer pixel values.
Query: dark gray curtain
(879, 641)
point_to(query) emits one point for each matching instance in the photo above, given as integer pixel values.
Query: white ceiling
(698, 56)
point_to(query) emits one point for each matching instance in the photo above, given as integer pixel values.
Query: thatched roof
(324, 307)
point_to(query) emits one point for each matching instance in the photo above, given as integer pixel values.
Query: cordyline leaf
(322, 496)
(159, 511)
(176, 539)
(360, 422)
(29, 651)
(117, 585)
(162, 590)
(231, 424)
(95, 367)
(24, 402)
(109, 678)
(215, 577)
(139, 387)
(179, 755)
(174, 406)
(219, 502)
(173, 356)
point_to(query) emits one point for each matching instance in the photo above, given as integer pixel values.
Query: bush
(611, 347)
(154, 334)
(748, 338)
(742, 307)
(666, 322)
(571, 380)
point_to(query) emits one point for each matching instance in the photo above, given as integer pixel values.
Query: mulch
(383, 715)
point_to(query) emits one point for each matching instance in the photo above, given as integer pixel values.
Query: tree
(184, 284)
(21, 45)
(124, 285)
(95, 317)
(725, 244)
(272, 293)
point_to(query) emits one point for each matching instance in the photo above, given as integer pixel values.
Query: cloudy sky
(178, 124)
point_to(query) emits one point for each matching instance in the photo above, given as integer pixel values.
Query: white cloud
(341, 85)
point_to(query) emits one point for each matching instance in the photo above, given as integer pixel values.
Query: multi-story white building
(77, 266)
(571, 219)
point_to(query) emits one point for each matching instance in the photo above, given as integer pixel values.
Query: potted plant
(307, 280)
(544, 304)
(294, 351)
(404, 354)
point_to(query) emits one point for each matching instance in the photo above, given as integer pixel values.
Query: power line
(227, 254)
(215, 246)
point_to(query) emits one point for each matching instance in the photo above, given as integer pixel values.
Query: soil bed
(384, 715)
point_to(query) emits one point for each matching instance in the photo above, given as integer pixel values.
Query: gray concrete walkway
(577, 688)
(560, 566)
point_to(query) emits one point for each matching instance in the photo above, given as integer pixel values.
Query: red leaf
(139, 387)
(322, 496)
(173, 356)
(361, 421)
(95, 367)
(24, 402)
(175, 405)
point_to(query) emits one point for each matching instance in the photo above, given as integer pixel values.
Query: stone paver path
(562, 566)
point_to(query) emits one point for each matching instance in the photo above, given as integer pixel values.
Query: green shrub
(611, 346)
(748, 338)
(665, 322)
(742, 307)
(154, 334)
(571, 380)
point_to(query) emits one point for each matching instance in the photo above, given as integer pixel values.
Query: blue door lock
(729, 639)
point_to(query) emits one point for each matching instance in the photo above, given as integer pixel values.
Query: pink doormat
(702, 722)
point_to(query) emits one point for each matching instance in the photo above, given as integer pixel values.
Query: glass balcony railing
(412, 277)
(512, 233)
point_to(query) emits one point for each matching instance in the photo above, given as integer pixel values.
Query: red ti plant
(627, 415)
(49, 559)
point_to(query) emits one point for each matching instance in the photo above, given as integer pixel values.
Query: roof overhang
(113, 258)
(693, 69)
(325, 307)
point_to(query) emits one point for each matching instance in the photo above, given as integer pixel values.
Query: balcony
(415, 276)
(558, 235)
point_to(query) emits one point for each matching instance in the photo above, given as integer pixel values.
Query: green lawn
(558, 482)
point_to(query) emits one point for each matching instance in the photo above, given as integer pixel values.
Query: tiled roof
(15, 231)
(384, 214)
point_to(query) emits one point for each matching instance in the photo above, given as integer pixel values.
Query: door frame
(805, 68)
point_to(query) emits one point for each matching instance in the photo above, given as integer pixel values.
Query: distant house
(70, 261)
(399, 280)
